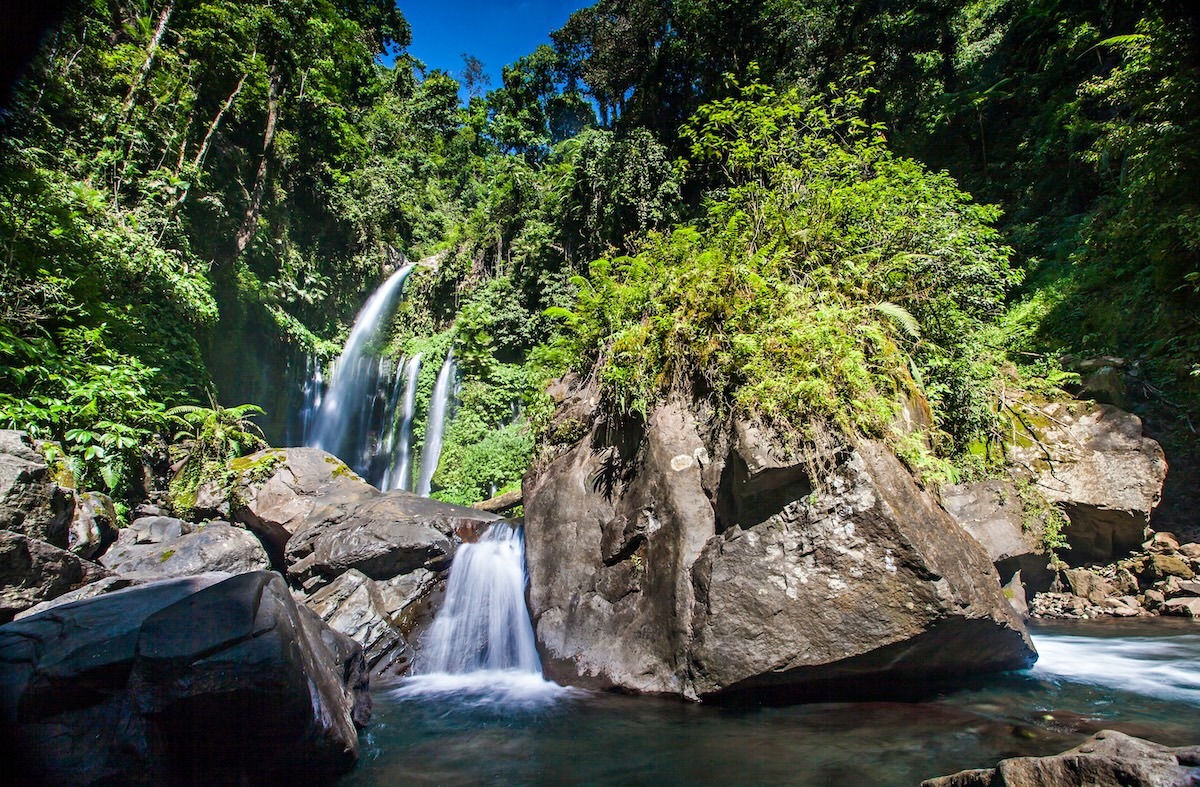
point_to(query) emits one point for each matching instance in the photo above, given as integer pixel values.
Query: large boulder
(664, 562)
(32, 501)
(216, 546)
(992, 512)
(1108, 757)
(32, 571)
(182, 681)
(378, 615)
(320, 520)
(1093, 461)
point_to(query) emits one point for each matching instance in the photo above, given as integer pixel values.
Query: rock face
(216, 546)
(1093, 461)
(31, 501)
(367, 562)
(992, 513)
(32, 571)
(183, 681)
(661, 562)
(94, 524)
(1108, 757)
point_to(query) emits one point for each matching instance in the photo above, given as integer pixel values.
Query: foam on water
(1162, 667)
(486, 688)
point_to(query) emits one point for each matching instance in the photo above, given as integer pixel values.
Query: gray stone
(192, 680)
(663, 562)
(154, 530)
(31, 501)
(1107, 758)
(1184, 605)
(992, 513)
(32, 571)
(355, 605)
(1087, 584)
(213, 547)
(1094, 462)
(1106, 386)
(91, 590)
(1014, 591)
(94, 524)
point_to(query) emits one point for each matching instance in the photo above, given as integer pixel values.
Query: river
(1141, 677)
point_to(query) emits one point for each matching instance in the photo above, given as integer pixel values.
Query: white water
(346, 408)
(481, 646)
(1153, 666)
(435, 425)
(400, 474)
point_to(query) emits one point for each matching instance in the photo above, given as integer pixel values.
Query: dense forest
(806, 211)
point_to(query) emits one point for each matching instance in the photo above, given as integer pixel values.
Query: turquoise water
(1141, 677)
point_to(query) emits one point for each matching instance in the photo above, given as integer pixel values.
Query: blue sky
(496, 32)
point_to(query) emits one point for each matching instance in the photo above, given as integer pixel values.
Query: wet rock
(664, 562)
(32, 502)
(32, 571)
(1094, 462)
(94, 524)
(216, 546)
(185, 681)
(354, 605)
(1108, 757)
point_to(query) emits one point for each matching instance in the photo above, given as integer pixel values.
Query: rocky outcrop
(991, 511)
(1093, 461)
(1108, 757)
(368, 562)
(32, 571)
(665, 562)
(1158, 580)
(183, 681)
(32, 502)
(215, 546)
(94, 524)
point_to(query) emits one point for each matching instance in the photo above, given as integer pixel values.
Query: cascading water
(342, 425)
(481, 645)
(435, 425)
(400, 473)
(483, 623)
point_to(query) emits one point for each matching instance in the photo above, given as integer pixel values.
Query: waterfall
(483, 624)
(352, 418)
(400, 473)
(435, 425)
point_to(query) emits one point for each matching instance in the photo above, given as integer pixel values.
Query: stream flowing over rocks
(666, 558)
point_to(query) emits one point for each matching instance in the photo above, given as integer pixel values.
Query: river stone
(154, 530)
(1087, 584)
(1108, 757)
(217, 546)
(32, 571)
(992, 513)
(193, 680)
(94, 524)
(1094, 462)
(639, 582)
(31, 501)
(355, 605)
(1185, 605)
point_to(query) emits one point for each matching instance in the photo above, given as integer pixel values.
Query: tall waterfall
(483, 624)
(343, 420)
(400, 473)
(435, 424)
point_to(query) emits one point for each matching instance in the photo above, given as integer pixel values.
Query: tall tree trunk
(151, 48)
(260, 179)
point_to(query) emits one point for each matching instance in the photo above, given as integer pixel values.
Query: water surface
(1139, 677)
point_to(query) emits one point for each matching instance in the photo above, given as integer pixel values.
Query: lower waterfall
(481, 643)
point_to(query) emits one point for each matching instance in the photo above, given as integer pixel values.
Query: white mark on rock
(681, 462)
(889, 562)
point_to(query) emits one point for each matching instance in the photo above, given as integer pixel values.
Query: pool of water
(1141, 677)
